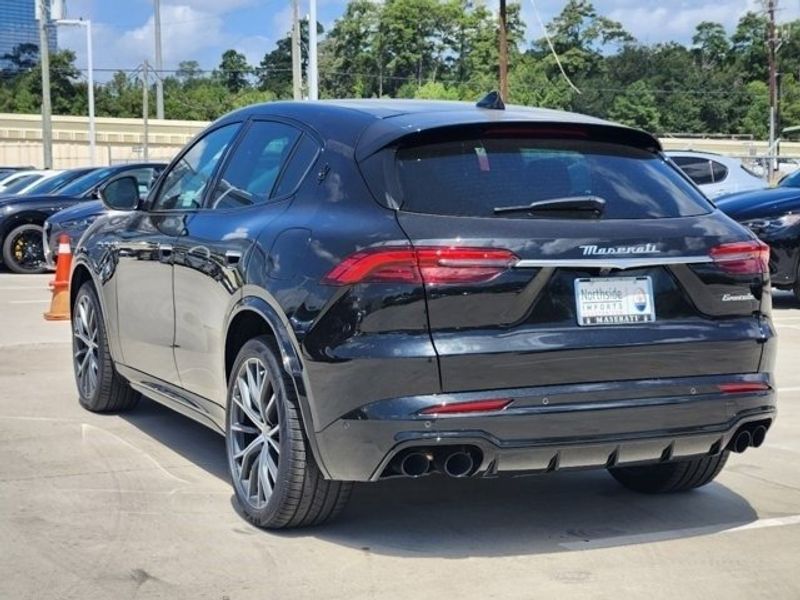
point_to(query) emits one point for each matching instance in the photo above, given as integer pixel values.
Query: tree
(275, 71)
(711, 44)
(234, 71)
(637, 107)
(22, 58)
(188, 71)
(749, 43)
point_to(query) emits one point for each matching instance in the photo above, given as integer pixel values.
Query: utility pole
(772, 49)
(159, 61)
(297, 75)
(43, 12)
(90, 80)
(503, 52)
(313, 74)
(145, 111)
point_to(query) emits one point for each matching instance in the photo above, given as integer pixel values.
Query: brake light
(742, 258)
(494, 404)
(431, 264)
(742, 387)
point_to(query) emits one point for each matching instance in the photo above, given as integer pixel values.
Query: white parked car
(716, 174)
(19, 181)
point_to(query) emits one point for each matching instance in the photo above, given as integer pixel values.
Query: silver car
(716, 174)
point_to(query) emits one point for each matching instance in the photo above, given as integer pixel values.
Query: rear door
(621, 271)
(254, 186)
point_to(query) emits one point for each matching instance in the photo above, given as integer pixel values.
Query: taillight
(474, 406)
(743, 387)
(431, 264)
(742, 258)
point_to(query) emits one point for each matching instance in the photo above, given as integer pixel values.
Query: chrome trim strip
(613, 263)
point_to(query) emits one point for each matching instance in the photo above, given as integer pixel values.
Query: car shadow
(459, 518)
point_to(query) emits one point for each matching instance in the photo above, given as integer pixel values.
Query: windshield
(478, 177)
(84, 184)
(51, 184)
(20, 183)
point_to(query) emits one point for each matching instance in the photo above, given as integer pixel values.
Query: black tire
(29, 233)
(300, 496)
(111, 392)
(667, 478)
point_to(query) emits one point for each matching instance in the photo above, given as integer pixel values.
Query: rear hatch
(557, 255)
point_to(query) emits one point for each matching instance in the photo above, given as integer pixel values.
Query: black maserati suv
(355, 290)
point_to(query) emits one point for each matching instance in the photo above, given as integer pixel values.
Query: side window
(255, 165)
(697, 169)
(186, 182)
(718, 171)
(303, 156)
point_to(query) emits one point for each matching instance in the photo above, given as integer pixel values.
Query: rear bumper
(553, 427)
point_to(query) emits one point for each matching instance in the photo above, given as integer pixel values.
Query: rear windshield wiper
(584, 206)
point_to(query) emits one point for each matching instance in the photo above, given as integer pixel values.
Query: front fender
(106, 293)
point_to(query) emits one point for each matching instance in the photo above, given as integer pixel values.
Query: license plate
(614, 301)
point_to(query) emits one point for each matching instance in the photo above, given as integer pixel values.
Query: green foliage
(636, 107)
(447, 49)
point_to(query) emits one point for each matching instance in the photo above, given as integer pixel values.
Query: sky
(202, 30)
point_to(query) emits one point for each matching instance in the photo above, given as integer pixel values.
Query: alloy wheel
(254, 433)
(85, 332)
(27, 251)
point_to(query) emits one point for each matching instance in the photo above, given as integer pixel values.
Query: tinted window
(250, 174)
(473, 177)
(718, 171)
(697, 169)
(186, 182)
(51, 184)
(792, 180)
(85, 184)
(303, 156)
(20, 183)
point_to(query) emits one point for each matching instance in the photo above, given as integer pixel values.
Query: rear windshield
(474, 177)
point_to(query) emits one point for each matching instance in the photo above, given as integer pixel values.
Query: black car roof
(375, 123)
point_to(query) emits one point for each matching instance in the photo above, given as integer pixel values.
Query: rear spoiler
(421, 127)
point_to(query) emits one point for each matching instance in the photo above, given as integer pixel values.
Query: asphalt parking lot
(139, 505)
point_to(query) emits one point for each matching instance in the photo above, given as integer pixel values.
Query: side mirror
(121, 194)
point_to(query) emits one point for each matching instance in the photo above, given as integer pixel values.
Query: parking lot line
(662, 536)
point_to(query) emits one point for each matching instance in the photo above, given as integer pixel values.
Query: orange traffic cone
(59, 305)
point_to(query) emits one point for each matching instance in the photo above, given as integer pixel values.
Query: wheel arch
(22, 218)
(253, 316)
(80, 275)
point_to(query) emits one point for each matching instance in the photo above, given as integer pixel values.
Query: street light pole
(297, 75)
(89, 81)
(159, 62)
(43, 12)
(313, 74)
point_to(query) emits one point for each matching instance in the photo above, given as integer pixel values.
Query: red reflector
(742, 387)
(742, 258)
(467, 407)
(431, 264)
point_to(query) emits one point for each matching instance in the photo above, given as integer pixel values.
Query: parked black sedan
(22, 217)
(774, 216)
